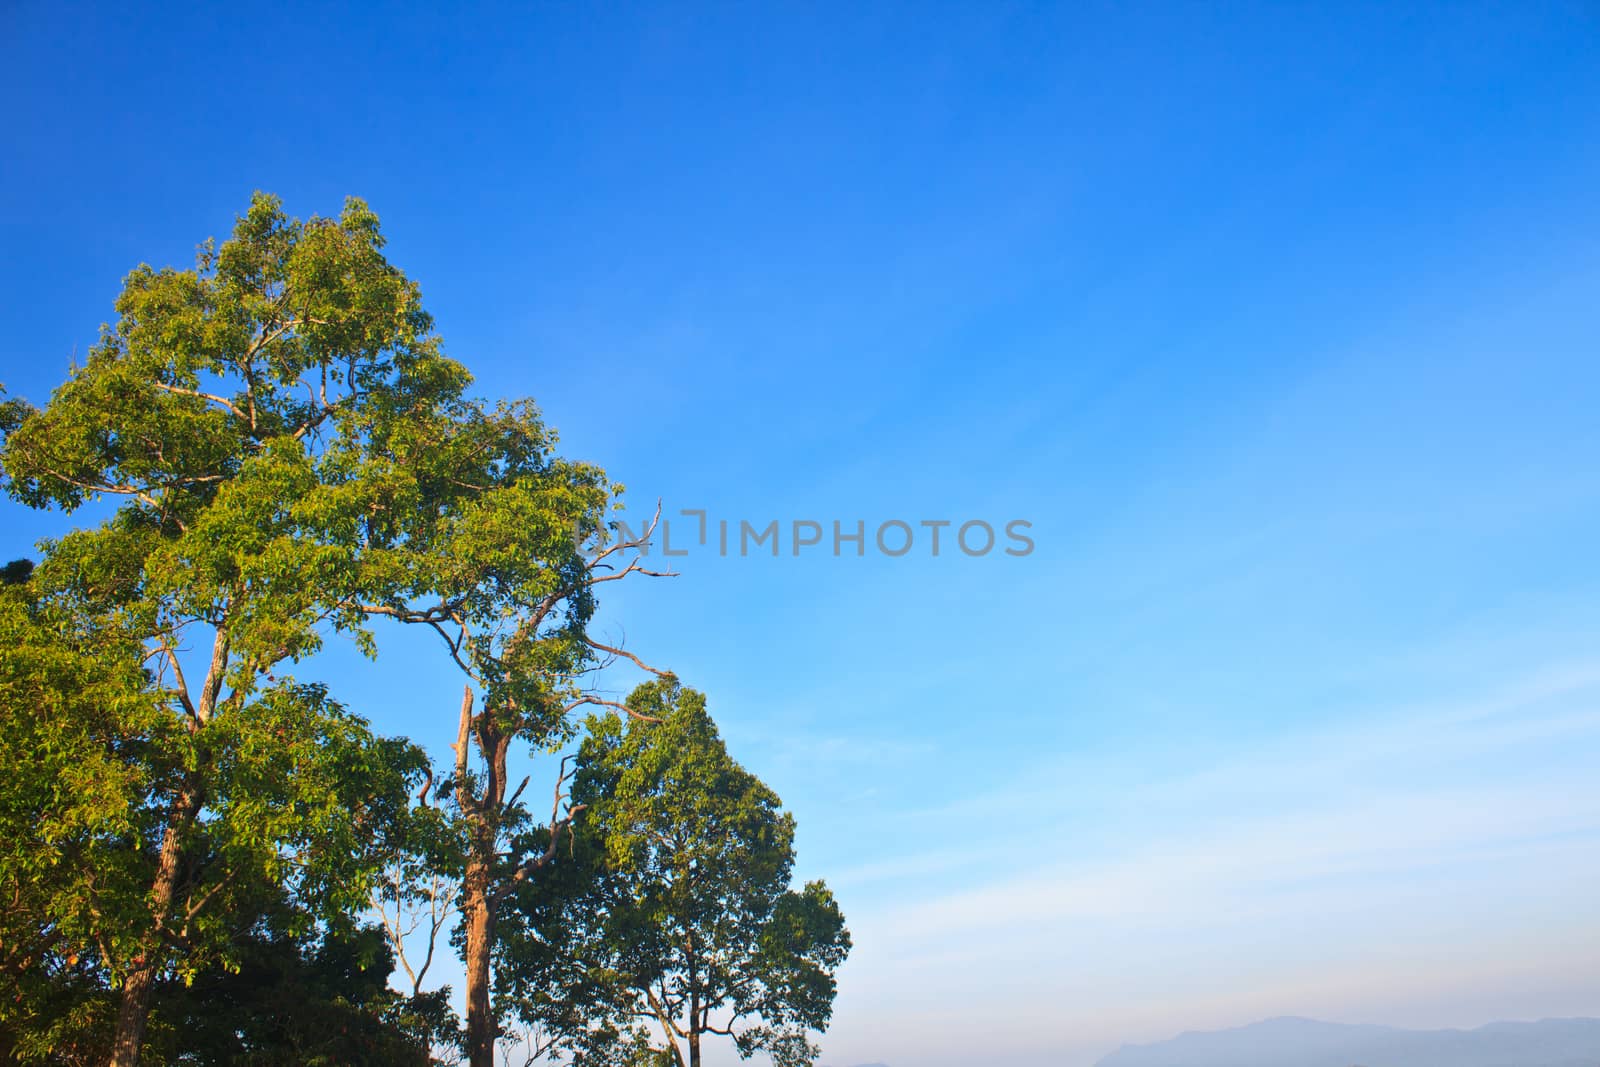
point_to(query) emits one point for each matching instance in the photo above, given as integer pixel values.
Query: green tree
(291, 454)
(512, 602)
(93, 759)
(239, 415)
(677, 908)
(73, 699)
(299, 1001)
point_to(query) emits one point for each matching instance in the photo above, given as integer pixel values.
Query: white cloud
(1318, 873)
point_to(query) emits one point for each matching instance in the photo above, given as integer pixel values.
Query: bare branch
(623, 653)
(215, 399)
(435, 616)
(643, 541)
(615, 705)
(668, 1023)
(635, 566)
(454, 645)
(211, 688)
(177, 675)
(123, 490)
(463, 732)
(559, 824)
(441, 905)
(195, 907)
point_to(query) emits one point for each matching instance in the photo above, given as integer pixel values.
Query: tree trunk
(131, 1016)
(694, 999)
(479, 915)
(477, 894)
(134, 1010)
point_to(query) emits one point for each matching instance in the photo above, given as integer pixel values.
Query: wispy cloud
(1300, 863)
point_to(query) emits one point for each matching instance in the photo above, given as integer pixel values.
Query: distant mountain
(1293, 1042)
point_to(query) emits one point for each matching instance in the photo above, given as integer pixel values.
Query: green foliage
(676, 904)
(264, 340)
(320, 1001)
(236, 413)
(84, 746)
(298, 789)
(468, 521)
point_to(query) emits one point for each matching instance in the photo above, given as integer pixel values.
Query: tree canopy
(681, 921)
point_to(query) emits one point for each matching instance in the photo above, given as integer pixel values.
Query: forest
(209, 856)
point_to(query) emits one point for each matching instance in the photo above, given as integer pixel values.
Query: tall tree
(527, 552)
(292, 454)
(238, 414)
(677, 908)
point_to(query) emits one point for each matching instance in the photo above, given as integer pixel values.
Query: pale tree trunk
(669, 1027)
(677, 1052)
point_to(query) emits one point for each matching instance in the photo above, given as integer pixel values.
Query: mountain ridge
(1295, 1041)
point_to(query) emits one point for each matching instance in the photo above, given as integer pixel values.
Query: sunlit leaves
(676, 905)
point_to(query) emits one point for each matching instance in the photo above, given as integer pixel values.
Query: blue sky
(1277, 322)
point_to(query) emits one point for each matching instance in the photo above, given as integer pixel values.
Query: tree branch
(615, 705)
(558, 824)
(463, 731)
(623, 653)
(215, 399)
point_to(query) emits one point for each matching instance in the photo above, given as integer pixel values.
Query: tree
(239, 415)
(93, 758)
(528, 546)
(70, 816)
(676, 909)
(292, 455)
(300, 1001)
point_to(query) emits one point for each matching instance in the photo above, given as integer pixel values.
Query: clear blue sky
(1278, 322)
